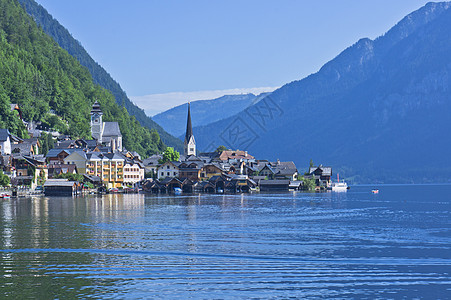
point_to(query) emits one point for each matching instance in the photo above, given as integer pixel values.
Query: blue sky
(164, 53)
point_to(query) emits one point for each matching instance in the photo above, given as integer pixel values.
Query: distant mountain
(62, 36)
(204, 112)
(379, 112)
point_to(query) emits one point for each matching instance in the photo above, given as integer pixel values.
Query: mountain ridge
(358, 105)
(204, 111)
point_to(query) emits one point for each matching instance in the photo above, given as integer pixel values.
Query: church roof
(96, 108)
(111, 129)
(189, 126)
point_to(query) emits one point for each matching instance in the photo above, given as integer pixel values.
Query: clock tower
(96, 122)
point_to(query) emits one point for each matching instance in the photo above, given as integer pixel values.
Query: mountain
(62, 36)
(378, 112)
(52, 87)
(204, 112)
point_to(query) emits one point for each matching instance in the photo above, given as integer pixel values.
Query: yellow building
(108, 166)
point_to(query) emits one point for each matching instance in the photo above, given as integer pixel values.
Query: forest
(52, 87)
(100, 76)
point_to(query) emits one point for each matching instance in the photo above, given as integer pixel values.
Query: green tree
(309, 184)
(169, 155)
(4, 179)
(71, 177)
(221, 148)
(41, 178)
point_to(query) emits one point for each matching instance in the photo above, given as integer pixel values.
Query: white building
(5, 142)
(133, 172)
(168, 169)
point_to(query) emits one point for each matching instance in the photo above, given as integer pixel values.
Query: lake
(301, 245)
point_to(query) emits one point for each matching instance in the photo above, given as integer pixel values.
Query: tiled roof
(326, 171)
(23, 148)
(4, 134)
(111, 129)
(55, 151)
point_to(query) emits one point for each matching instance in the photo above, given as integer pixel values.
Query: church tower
(96, 122)
(190, 143)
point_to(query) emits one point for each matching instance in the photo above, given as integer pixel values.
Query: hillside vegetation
(101, 77)
(41, 77)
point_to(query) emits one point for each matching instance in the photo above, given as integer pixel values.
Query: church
(190, 143)
(105, 133)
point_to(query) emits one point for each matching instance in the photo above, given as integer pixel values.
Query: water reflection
(349, 245)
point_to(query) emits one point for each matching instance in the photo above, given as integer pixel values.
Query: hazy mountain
(379, 110)
(62, 36)
(204, 112)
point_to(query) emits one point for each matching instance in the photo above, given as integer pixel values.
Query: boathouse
(61, 187)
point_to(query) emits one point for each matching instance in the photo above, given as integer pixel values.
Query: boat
(5, 196)
(339, 186)
(177, 191)
(375, 191)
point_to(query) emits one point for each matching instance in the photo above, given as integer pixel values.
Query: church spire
(190, 143)
(189, 127)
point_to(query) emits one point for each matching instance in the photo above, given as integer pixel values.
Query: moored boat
(339, 186)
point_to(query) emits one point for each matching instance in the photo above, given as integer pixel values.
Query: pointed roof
(189, 127)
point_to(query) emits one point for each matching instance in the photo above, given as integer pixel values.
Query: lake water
(396, 244)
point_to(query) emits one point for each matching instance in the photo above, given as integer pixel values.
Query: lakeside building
(104, 162)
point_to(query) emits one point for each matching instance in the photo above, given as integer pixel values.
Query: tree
(309, 184)
(169, 155)
(41, 178)
(71, 177)
(221, 148)
(4, 179)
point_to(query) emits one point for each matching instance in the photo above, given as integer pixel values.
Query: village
(106, 166)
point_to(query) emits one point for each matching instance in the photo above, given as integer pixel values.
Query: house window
(174, 174)
(169, 173)
(167, 167)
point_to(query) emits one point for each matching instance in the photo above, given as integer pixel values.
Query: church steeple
(190, 143)
(96, 122)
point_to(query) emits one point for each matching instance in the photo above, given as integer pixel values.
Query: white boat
(339, 186)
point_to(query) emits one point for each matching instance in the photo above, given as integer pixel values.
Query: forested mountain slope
(51, 86)
(62, 36)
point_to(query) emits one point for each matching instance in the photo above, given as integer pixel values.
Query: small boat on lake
(177, 191)
(375, 191)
